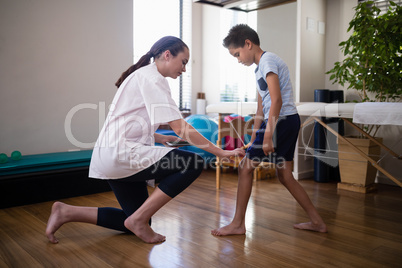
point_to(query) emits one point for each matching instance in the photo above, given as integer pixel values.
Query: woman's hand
(164, 139)
(231, 155)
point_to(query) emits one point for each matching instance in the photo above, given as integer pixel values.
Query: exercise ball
(3, 158)
(205, 125)
(208, 128)
(16, 155)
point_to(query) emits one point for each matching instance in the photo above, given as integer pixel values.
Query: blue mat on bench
(45, 177)
(46, 162)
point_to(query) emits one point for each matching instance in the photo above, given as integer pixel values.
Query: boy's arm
(276, 105)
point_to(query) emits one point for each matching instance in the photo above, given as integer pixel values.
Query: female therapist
(125, 153)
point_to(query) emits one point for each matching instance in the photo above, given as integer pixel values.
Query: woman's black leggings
(174, 172)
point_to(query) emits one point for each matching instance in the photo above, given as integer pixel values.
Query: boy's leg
(237, 226)
(285, 176)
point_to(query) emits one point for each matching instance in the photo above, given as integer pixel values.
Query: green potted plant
(372, 66)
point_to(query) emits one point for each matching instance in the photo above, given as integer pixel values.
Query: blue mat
(45, 162)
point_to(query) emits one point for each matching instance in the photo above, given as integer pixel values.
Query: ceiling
(244, 5)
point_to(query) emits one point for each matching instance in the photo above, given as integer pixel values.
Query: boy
(276, 128)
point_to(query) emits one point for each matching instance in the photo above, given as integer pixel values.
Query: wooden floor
(364, 231)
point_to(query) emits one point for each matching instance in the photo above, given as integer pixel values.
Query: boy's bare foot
(230, 229)
(322, 228)
(56, 220)
(143, 231)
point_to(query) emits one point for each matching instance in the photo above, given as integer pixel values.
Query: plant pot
(357, 174)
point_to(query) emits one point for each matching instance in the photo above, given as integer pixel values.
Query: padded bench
(45, 177)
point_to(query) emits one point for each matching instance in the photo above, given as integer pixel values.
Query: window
(383, 5)
(169, 17)
(185, 35)
(237, 81)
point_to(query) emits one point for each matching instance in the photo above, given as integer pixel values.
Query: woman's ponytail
(171, 43)
(143, 61)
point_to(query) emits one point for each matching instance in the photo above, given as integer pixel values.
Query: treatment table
(368, 113)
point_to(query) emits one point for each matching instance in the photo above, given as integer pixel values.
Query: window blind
(383, 5)
(185, 34)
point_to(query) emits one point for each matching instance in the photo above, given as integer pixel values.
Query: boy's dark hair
(238, 35)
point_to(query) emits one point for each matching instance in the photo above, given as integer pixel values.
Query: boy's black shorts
(284, 138)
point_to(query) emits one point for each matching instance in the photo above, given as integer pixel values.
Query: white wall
(276, 28)
(54, 56)
(339, 13)
(310, 68)
(211, 44)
